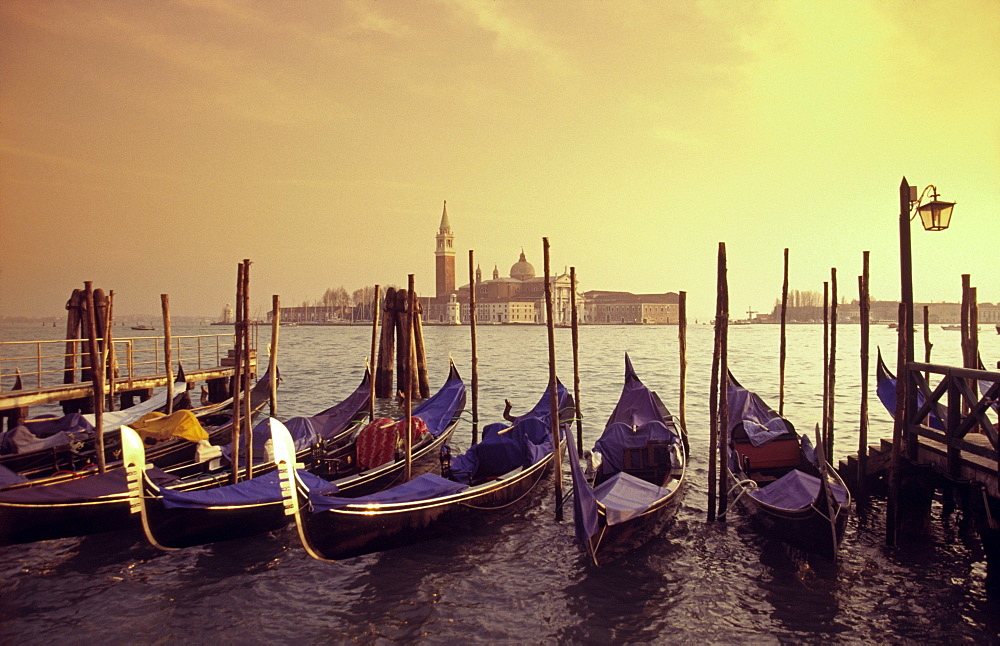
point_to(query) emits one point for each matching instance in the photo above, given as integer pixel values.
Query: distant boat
(951, 327)
(143, 327)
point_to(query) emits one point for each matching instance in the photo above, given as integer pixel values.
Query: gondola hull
(804, 528)
(612, 541)
(346, 533)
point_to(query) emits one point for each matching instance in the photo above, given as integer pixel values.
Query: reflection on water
(523, 577)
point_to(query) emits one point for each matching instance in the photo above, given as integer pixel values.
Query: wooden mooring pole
(576, 360)
(865, 311)
(238, 329)
(96, 376)
(826, 361)
(248, 369)
(898, 428)
(781, 350)
(475, 349)
(682, 361)
(833, 363)
(386, 353)
(553, 394)
(376, 309)
(167, 357)
(408, 320)
(272, 360)
(723, 387)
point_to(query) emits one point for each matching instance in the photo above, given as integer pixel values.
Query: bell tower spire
(445, 256)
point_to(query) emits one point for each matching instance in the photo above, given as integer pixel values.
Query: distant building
(631, 309)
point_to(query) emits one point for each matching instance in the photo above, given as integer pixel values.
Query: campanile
(445, 257)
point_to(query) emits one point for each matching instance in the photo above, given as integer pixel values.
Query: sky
(149, 147)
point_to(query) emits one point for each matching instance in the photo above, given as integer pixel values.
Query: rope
(746, 485)
(512, 502)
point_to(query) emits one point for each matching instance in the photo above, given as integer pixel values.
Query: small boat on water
(885, 388)
(87, 502)
(638, 473)
(487, 480)
(175, 517)
(784, 485)
(143, 328)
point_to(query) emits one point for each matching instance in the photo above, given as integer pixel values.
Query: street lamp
(935, 216)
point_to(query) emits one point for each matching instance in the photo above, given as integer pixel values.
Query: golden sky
(150, 146)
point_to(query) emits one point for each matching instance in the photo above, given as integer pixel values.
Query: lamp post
(935, 216)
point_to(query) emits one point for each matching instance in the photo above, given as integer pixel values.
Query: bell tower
(445, 257)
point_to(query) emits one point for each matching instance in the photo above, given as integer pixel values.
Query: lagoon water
(522, 578)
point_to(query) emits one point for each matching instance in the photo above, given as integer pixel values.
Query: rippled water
(523, 578)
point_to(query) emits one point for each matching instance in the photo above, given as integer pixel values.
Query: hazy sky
(150, 146)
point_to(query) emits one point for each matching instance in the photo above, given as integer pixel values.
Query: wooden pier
(949, 445)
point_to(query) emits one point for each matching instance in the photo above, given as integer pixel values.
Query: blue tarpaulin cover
(635, 421)
(624, 497)
(506, 447)
(761, 423)
(87, 488)
(424, 487)
(796, 490)
(306, 431)
(260, 490)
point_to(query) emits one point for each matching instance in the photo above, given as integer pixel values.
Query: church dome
(522, 269)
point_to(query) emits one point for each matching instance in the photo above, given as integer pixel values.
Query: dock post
(168, 367)
(833, 362)
(272, 361)
(865, 306)
(475, 349)
(553, 394)
(374, 351)
(781, 351)
(237, 380)
(574, 325)
(387, 347)
(96, 377)
(682, 360)
(723, 387)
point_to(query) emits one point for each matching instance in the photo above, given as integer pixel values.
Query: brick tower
(445, 257)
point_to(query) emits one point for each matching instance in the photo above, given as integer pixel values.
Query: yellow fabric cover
(182, 423)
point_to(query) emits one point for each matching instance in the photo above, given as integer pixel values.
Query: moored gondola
(487, 480)
(638, 469)
(781, 482)
(175, 518)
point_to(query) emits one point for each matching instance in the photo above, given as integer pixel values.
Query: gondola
(69, 451)
(885, 388)
(485, 481)
(638, 469)
(783, 484)
(175, 518)
(89, 503)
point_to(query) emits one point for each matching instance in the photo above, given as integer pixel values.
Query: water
(524, 579)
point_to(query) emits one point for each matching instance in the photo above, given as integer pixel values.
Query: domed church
(516, 299)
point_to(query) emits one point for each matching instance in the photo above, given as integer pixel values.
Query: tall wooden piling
(927, 339)
(376, 310)
(386, 355)
(576, 360)
(781, 350)
(272, 360)
(898, 427)
(404, 342)
(826, 360)
(833, 363)
(965, 332)
(96, 376)
(422, 383)
(865, 311)
(238, 329)
(475, 349)
(682, 366)
(108, 358)
(713, 395)
(167, 363)
(74, 320)
(553, 389)
(248, 363)
(723, 387)
(408, 322)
